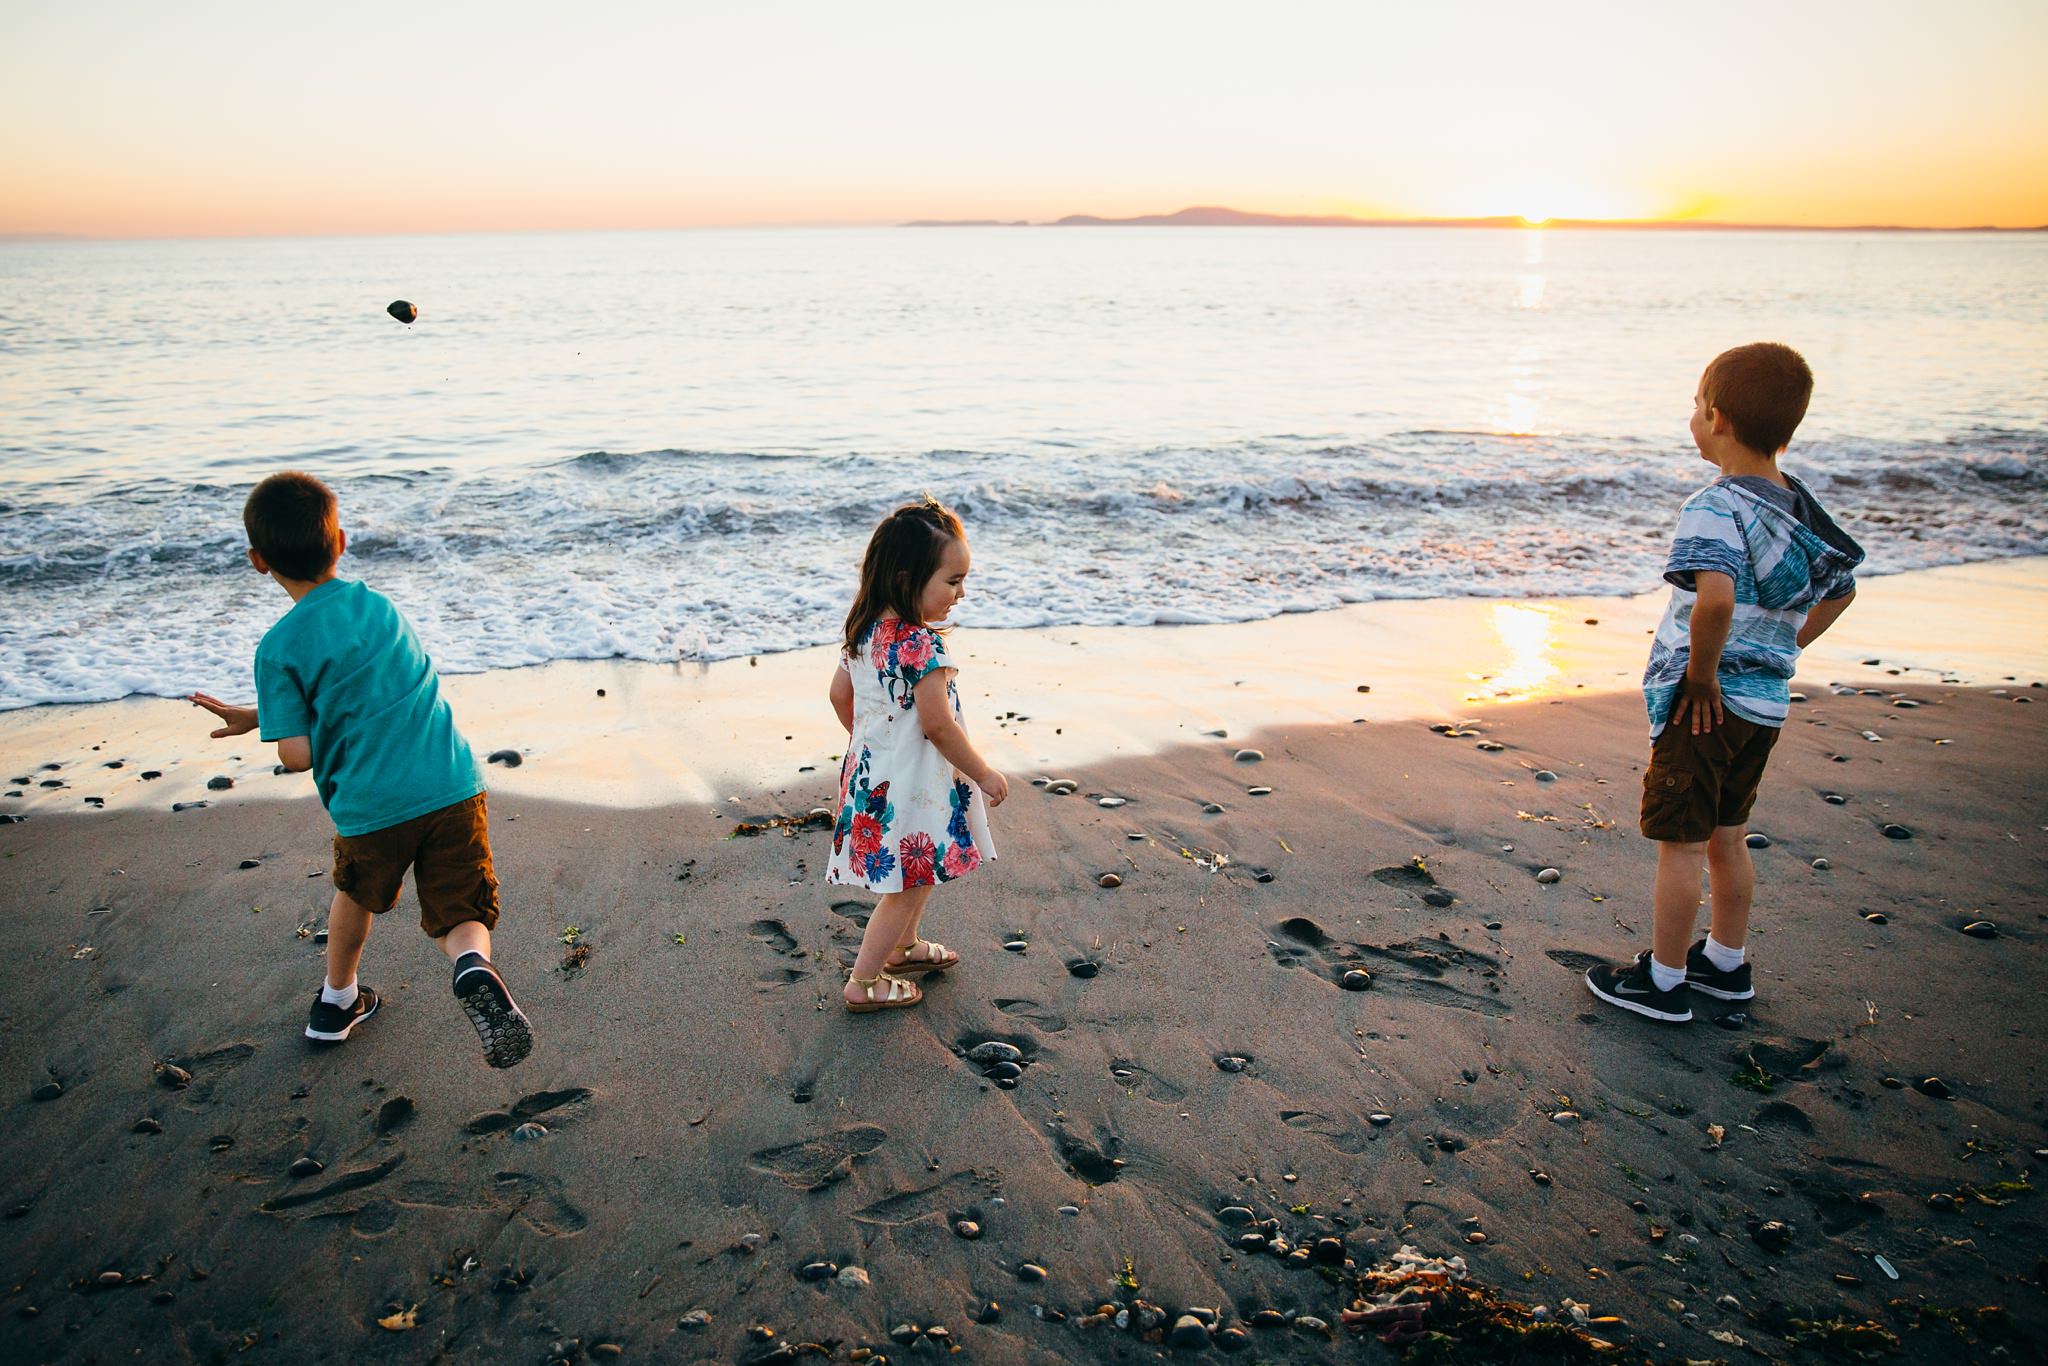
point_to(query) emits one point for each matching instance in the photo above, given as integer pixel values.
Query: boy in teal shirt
(344, 688)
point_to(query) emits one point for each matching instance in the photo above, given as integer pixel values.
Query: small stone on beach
(1821, 865)
(251, 863)
(1548, 876)
(49, 1090)
(219, 784)
(967, 1228)
(1248, 756)
(147, 1125)
(1109, 803)
(308, 1166)
(510, 758)
(1356, 979)
(1981, 929)
(1756, 839)
(1109, 880)
(1231, 1062)
(1016, 945)
(1897, 832)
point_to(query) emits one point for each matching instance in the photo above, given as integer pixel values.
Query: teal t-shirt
(345, 669)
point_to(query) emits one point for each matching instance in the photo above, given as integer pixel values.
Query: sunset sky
(136, 119)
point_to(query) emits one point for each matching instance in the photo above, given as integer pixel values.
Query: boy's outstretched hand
(240, 720)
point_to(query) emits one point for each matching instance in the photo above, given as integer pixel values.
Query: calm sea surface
(673, 445)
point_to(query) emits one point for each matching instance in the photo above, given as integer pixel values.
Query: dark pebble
(988, 1313)
(1437, 896)
(1757, 840)
(252, 863)
(1356, 979)
(1541, 1178)
(308, 1166)
(1188, 1334)
(1231, 1062)
(995, 1050)
(1981, 929)
(1211, 809)
(1834, 798)
(1493, 924)
(600, 692)
(1249, 756)
(1935, 1087)
(510, 758)
(1772, 1236)
(1235, 1216)
(51, 782)
(49, 1090)
(1891, 1083)
(1004, 1071)
(220, 1143)
(173, 1076)
(1232, 1339)
(1252, 1242)
(1329, 1251)
(1269, 1318)
(1897, 832)
(1031, 1271)
(147, 1125)
(818, 1271)
(1877, 918)
(187, 806)
(1262, 875)
(529, 1132)
(1083, 968)
(1734, 1019)
(151, 774)
(219, 784)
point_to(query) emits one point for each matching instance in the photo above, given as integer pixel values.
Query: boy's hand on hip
(1703, 700)
(240, 720)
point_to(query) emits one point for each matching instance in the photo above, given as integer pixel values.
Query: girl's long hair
(902, 556)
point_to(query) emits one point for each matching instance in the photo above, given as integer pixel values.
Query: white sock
(1665, 978)
(1723, 957)
(339, 996)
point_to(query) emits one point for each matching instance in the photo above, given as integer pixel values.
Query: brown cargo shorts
(1698, 783)
(449, 853)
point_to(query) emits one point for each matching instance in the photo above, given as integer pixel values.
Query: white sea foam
(670, 556)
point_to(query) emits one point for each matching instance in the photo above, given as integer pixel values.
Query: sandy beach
(704, 1148)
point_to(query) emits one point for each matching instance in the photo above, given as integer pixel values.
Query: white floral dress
(906, 817)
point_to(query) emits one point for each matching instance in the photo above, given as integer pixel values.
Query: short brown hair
(902, 556)
(294, 525)
(1762, 390)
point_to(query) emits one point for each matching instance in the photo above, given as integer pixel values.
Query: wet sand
(710, 1130)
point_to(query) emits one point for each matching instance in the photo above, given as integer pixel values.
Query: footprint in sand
(1144, 1081)
(905, 1207)
(816, 1163)
(341, 1185)
(856, 911)
(775, 934)
(538, 1202)
(1096, 1163)
(1046, 1018)
(1346, 1137)
(207, 1070)
(559, 1107)
(1414, 969)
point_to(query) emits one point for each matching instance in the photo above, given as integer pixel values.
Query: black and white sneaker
(1702, 975)
(1632, 988)
(506, 1032)
(330, 1023)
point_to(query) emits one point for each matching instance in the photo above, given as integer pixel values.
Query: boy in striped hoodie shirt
(1757, 571)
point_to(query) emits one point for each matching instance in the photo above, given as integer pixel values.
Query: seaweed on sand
(1427, 1309)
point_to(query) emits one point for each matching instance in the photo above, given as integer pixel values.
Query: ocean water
(672, 446)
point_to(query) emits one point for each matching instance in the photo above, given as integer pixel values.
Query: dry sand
(711, 1124)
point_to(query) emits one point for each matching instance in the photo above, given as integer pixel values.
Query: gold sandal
(937, 958)
(896, 995)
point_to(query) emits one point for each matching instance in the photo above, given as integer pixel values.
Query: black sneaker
(1632, 988)
(1702, 975)
(506, 1032)
(330, 1023)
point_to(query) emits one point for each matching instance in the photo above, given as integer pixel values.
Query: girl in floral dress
(913, 791)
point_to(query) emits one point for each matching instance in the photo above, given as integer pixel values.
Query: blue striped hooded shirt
(1784, 557)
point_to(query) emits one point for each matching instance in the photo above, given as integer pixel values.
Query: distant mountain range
(1210, 216)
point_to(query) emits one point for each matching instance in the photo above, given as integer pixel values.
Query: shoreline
(630, 734)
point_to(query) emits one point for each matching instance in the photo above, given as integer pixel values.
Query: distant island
(1210, 216)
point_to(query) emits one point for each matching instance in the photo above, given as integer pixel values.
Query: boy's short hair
(294, 525)
(1762, 390)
